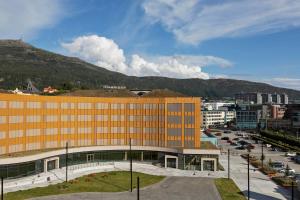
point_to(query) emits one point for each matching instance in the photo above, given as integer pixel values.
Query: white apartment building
(217, 117)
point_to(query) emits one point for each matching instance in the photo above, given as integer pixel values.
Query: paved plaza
(175, 188)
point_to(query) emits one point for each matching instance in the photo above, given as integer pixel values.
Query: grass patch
(101, 182)
(228, 189)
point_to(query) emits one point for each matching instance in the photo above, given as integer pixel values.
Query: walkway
(261, 187)
(175, 188)
(58, 175)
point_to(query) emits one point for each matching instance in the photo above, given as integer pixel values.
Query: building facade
(249, 116)
(213, 118)
(98, 129)
(261, 98)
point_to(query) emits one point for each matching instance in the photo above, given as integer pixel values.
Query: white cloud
(285, 82)
(106, 53)
(98, 50)
(24, 18)
(194, 21)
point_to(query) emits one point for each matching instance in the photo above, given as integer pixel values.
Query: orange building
(168, 125)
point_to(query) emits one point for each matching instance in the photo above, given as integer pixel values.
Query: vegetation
(228, 189)
(275, 141)
(281, 136)
(101, 182)
(20, 61)
(283, 181)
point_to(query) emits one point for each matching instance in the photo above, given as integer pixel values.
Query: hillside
(20, 61)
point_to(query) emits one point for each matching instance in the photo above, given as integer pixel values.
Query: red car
(251, 146)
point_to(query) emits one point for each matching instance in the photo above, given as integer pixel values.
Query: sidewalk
(261, 186)
(58, 175)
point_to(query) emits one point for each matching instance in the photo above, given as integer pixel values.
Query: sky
(247, 39)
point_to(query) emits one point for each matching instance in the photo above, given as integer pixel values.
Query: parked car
(250, 146)
(234, 144)
(227, 132)
(288, 172)
(218, 134)
(229, 141)
(290, 154)
(243, 142)
(277, 165)
(236, 139)
(241, 147)
(225, 138)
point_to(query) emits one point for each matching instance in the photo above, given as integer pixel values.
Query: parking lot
(256, 151)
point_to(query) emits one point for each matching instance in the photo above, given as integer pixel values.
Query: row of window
(88, 130)
(172, 107)
(54, 118)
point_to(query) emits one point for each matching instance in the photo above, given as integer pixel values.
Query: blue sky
(248, 39)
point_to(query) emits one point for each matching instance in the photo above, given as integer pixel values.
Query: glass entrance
(51, 165)
(208, 165)
(90, 158)
(171, 162)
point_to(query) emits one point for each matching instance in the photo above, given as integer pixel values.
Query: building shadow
(259, 196)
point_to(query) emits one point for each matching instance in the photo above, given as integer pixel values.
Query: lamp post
(67, 155)
(292, 190)
(262, 155)
(2, 189)
(138, 188)
(248, 176)
(130, 155)
(228, 163)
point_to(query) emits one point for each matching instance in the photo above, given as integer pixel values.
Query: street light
(262, 155)
(2, 189)
(138, 188)
(130, 155)
(67, 152)
(248, 176)
(228, 163)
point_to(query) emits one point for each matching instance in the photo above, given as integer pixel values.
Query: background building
(261, 98)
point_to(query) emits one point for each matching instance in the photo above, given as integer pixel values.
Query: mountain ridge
(20, 61)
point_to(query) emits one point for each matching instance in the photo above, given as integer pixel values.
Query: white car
(290, 154)
(290, 171)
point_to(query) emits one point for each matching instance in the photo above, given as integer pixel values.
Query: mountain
(20, 62)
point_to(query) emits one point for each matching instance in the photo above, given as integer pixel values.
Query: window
(174, 131)
(101, 130)
(189, 132)
(15, 119)
(134, 106)
(16, 104)
(117, 118)
(67, 118)
(51, 118)
(51, 105)
(174, 107)
(84, 130)
(84, 118)
(101, 117)
(67, 105)
(33, 105)
(117, 106)
(101, 106)
(84, 105)
(174, 119)
(117, 129)
(33, 118)
(15, 133)
(2, 119)
(189, 107)
(134, 118)
(189, 119)
(33, 132)
(51, 131)
(67, 130)
(2, 135)
(3, 104)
